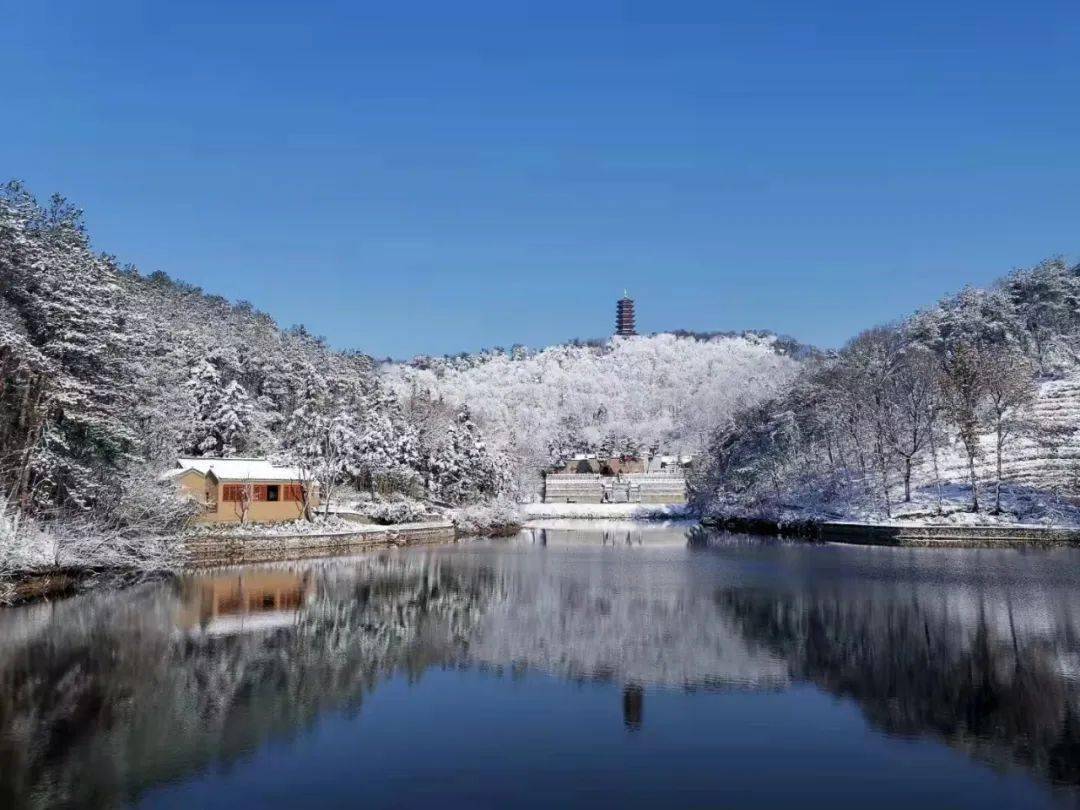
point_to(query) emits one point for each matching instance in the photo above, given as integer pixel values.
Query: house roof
(240, 469)
(176, 472)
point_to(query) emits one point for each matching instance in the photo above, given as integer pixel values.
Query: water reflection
(244, 601)
(633, 706)
(961, 667)
(105, 696)
(614, 533)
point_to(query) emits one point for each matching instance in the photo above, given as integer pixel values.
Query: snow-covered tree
(1009, 386)
(321, 440)
(943, 397)
(662, 391)
(460, 467)
(223, 421)
(67, 304)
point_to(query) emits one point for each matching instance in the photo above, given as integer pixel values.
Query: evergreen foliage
(105, 371)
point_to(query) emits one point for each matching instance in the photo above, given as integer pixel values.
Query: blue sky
(435, 177)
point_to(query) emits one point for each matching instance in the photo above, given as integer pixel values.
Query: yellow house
(244, 490)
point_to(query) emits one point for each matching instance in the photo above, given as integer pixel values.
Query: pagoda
(624, 316)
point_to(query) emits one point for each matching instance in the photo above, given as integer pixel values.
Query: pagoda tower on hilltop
(624, 316)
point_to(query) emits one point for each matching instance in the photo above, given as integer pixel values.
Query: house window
(232, 493)
(273, 492)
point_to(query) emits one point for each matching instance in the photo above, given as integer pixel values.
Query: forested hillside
(971, 406)
(664, 392)
(106, 375)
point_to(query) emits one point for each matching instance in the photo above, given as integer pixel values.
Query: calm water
(619, 667)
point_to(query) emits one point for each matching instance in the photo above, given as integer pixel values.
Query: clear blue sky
(437, 177)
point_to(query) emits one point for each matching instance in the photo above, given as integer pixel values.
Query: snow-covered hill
(106, 375)
(662, 391)
(977, 395)
(1043, 461)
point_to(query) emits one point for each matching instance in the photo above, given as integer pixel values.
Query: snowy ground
(607, 511)
(331, 524)
(1020, 506)
(483, 518)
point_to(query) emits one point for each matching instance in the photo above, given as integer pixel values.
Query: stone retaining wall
(212, 550)
(957, 536)
(900, 535)
(646, 488)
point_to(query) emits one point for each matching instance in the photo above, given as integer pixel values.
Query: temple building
(588, 478)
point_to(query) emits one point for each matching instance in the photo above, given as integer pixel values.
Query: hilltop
(624, 394)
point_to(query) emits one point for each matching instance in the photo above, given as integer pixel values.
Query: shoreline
(222, 549)
(909, 535)
(237, 548)
(27, 587)
(212, 551)
(644, 513)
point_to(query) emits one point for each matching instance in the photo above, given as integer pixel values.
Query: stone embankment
(906, 534)
(951, 536)
(234, 549)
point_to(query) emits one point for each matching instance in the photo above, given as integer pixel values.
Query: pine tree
(223, 420)
(233, 420)
(68, 301)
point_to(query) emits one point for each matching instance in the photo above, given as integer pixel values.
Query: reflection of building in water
(244, 601)
(104, 699)
(565, 532)
(633, 706)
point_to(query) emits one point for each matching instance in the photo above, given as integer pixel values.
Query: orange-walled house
(227, 488)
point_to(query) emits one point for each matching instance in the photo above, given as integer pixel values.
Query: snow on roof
(241, 469)
(175, 473)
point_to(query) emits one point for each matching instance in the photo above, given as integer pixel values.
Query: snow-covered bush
(497, 518)
(30, 546)
(23, 543)
(319, 524)
(404, 510)
(145, 504)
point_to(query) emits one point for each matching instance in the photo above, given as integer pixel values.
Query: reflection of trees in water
(607, 616)
(105, 696)
(924, 663)
(108, 695)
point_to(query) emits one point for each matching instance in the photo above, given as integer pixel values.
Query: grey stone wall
(649, 488)
(229, 549)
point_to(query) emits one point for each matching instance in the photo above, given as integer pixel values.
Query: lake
(580, 664)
